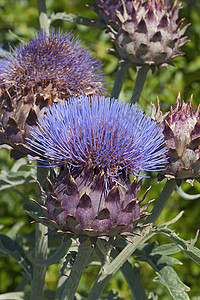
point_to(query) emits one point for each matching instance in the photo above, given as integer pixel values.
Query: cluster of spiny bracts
(96, 144)
(51, 108)
(181, 128)
(144, 32)
(79, 204)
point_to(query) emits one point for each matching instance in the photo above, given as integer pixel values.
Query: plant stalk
(139, 83)
(41, 241)
(84, 251)
(109, 270)
(119, 78)
(161, 202)
(43, 18)
(133, 278)
(41, 244)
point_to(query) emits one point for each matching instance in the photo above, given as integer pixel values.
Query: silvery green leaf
(186, 247)
(166, 249)
(18, 164)
(162, 266)
(34, 210)
(169, 278)
(149, 255)
(75, 19)
(185, 195)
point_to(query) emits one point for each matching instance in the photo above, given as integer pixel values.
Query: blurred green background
(18, 20)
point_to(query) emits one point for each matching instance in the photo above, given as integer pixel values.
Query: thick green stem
(84, 251)
(133, 278)
(43, 18)
(161, 202)
(41, 244)
(119, 79)
(139, 83)
(41, 241)
(109, 270)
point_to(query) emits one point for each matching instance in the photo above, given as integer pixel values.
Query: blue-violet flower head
(96, 143)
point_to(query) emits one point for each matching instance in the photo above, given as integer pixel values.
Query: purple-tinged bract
(106, 10)
(181, 129)
(97, 143)
(42, 71)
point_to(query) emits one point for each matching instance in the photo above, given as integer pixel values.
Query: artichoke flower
(144, 31)
(93, 145)
(42, 71)
(181, 128)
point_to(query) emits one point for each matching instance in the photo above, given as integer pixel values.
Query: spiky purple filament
(99, 132)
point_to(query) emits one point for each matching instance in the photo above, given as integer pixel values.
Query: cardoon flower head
(97, 143)
(181, 128)
(40, 72)
(144, 31)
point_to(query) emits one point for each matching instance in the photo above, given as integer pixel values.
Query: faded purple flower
(57, 61)
(40, 72)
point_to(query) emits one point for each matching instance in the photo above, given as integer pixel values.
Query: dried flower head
(144, 32)
(41, 71)
(97, 144)
(181, 128)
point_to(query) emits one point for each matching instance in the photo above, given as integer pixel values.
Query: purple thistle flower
(57, 59)
(99, 132)
(97, 143)
(40, 72)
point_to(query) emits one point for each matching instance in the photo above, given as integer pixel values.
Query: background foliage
(18, 20)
